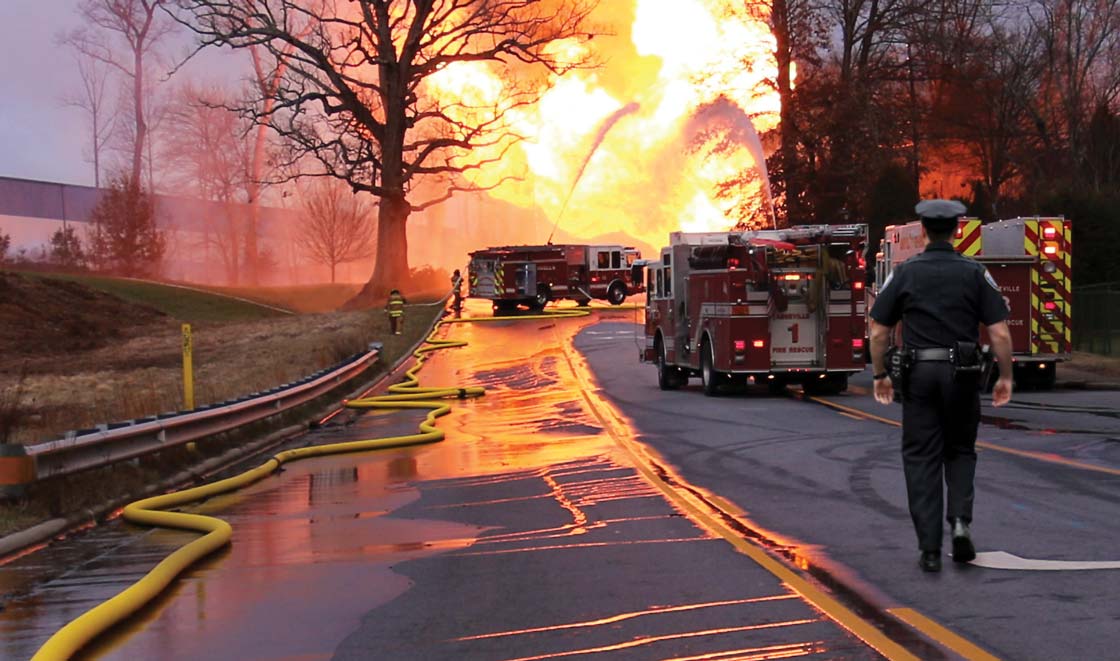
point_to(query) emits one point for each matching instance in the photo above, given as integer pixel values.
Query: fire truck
(534, 275)
(1030, 259)
(779, 306)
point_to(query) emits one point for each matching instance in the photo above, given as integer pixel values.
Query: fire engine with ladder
(1030, 259)
(535, 275)
(782, 306)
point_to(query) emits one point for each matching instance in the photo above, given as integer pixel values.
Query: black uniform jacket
(941, 297)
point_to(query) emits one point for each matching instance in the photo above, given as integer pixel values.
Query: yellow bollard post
(188, 370)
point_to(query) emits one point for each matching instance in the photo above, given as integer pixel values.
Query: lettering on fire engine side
(793, 349)
(792, 315)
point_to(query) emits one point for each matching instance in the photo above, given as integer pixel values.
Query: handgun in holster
(898, 370)
(967, 359)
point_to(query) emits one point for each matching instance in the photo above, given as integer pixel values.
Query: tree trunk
(141, 125)
(783, 54)
(252, 261)
(391, 263)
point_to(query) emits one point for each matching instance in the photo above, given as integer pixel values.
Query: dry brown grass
(142, 375)
(1108, 366)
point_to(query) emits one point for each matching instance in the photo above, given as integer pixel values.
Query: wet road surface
(527, 534)
(825, 486)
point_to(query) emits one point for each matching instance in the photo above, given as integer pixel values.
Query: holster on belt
(898, 362)
(967, 361)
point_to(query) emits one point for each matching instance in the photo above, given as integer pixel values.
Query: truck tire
(709, 377)
(832, 384)
(544, 295)
(616, 294)
(668, 377)
(505, 307)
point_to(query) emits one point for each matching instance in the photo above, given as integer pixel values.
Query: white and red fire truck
(781, 306)
(534, 275)
(1030, 260)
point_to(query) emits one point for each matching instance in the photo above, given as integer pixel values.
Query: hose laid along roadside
(217, 533)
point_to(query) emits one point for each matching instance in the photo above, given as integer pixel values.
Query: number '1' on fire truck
(781, 306)
(1030, 259)
(534, 275)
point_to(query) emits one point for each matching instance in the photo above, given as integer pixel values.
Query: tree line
(1007, 105)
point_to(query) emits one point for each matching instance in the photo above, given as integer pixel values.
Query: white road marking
(1004, 560)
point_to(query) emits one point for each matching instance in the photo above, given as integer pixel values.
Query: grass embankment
(184, 303)
(130, 365)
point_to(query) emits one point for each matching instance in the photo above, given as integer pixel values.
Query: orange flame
(657, 167)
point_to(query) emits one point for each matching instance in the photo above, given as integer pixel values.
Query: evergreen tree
(125, 240)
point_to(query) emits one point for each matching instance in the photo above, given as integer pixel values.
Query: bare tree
(358, 96)
(338, 226)
(268, 74)
(140, 25)
(98, 107)
(1081, 41)
(207, 148)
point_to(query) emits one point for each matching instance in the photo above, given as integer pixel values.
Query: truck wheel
(1047, 378)
(504, 307)
(544, 295)
(668, 377)
(616, 294)
(833, 384)
(709, 377)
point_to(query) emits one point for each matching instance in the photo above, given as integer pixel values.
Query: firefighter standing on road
(457, 291)
(395, 308)
(941, 298)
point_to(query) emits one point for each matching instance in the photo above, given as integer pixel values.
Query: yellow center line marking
(1048, 457)
(700, 514)
(946, 637)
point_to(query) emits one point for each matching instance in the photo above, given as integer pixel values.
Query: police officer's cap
(939, 215)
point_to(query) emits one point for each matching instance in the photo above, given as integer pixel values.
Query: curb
(1087, 385)
(42, 532)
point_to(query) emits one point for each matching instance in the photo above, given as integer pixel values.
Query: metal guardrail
(81, 450)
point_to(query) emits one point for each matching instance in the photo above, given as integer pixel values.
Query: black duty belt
(935, 354)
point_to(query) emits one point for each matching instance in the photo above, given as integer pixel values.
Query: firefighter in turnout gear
(456, 291)
(941, 298)
(395, 308)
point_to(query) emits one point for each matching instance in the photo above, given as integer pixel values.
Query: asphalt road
(528, 534)
(576, 511)
(826, 483)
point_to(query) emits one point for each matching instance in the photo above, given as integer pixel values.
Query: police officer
(941, 298)
(395, 308)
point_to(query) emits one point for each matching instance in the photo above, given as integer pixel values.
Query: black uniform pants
(939, 420)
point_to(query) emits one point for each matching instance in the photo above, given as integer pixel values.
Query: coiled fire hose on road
(217, 533)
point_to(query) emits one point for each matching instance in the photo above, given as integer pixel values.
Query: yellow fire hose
(217, 533)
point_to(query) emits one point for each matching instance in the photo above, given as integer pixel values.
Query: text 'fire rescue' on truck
(1030, 260)
(781, 306)
(534, 275)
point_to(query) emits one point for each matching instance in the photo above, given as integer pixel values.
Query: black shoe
(930, 561)
(963, 550)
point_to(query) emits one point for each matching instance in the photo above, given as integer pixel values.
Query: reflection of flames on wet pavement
(640, 123)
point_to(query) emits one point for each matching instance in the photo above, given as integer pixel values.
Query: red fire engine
(1030, 260)
(781, 306)
(534, 275)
